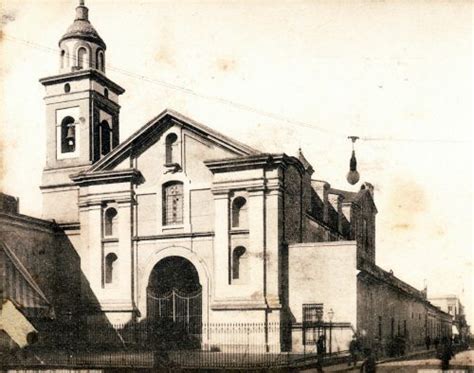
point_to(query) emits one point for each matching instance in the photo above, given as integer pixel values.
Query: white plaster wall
(324, 273)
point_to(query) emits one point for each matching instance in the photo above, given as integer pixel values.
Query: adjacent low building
(39, 271)
(451, 304)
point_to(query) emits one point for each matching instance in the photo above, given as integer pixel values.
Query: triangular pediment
(146, 135)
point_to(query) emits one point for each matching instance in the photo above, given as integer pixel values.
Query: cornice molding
(73, 226)
(243, 304)
(225, 187)
(97, 200)
(172, 236)
(254, 161)
(107, 177)
(105, 102)
(83, 74)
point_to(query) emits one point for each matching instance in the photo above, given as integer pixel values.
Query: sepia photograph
(236, 185)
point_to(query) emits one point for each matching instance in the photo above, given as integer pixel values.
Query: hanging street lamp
(353, 176)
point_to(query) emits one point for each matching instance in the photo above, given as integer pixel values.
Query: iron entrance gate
(176, 310)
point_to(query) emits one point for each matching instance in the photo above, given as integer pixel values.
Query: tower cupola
(82, 114)
(81, 46)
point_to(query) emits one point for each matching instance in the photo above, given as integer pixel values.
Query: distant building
(182, 223)
(452, 305)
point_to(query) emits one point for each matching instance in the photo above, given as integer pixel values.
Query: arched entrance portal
(174, 300)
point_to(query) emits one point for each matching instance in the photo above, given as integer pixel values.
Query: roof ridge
(180, 117)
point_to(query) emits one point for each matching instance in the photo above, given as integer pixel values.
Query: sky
(280, 75)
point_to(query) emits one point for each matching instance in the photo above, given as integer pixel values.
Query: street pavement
(462, 362)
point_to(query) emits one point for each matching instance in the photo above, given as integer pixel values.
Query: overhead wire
(237, 105)
(189, 91)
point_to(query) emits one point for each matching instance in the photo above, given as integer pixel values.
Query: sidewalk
(344, 367)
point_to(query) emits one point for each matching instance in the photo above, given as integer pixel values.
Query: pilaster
(275, 268)
(257, 254)
(93, 270)
(221, 245)
(125, 253)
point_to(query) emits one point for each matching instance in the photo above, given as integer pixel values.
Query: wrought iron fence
(172, 345)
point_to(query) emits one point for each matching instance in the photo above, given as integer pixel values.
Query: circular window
(106, 92)
(67, 88)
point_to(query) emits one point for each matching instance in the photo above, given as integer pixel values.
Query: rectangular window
(380, 328)
(404, 328)
(312, 326)
(173, 204)
(392, 327)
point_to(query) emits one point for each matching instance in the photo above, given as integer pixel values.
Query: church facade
(179, 222)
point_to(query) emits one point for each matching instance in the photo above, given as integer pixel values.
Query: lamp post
(319, 317)
(330, 316)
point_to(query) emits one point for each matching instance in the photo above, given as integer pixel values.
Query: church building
(182, 223)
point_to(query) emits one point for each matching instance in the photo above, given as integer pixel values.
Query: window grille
(312, 326)
(173, 204)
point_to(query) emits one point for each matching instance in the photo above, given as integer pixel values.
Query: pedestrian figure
(320, 345)
(428, 342)
(353, 350)
(446, 353)
(319, 366)
(370, 363)
(377, 348)
(401, 345)
(436, 343)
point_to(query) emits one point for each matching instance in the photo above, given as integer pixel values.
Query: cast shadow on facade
(42, 279)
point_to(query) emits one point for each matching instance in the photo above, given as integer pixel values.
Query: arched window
(173, 203)
(99, 60)
(171, 148)
(237, 259)
(81, 57)
(68, 135)
(63, 54)
(239, 212)
(110, 263)
(110, 222)
(104, 138)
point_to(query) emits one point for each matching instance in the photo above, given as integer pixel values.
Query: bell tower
(82, 116)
